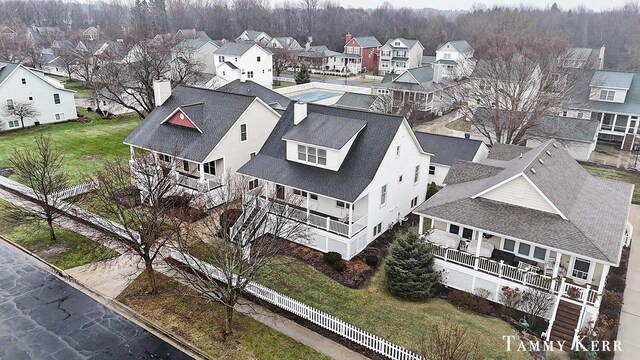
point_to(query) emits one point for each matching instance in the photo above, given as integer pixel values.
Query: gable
(406, 77)
(179, 118)
(353, 42)
(519, 192)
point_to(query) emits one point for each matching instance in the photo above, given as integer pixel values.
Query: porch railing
(502, 270)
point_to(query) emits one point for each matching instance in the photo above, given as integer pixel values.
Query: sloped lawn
(619, 175)
(373, 309)
(85, 146)
(181, 311)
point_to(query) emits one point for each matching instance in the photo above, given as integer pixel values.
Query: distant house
(400, 54)
(583, 58)
(184, 34)
(203, 136)
(319, 57)
(356, 173)
(91, 33)
(360, 54)
(45, 34)
(243, 61)
(195, 51)
(259, 37)
(48, 97)
(447, 150)
(454, 60)
(412, 90)
(360, 101)
(275, 100)
(7, 32)
(530, 219)
(284, 43)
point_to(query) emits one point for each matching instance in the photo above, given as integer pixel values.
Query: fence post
(500, 268)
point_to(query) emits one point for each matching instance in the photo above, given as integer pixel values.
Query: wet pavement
(42, 317)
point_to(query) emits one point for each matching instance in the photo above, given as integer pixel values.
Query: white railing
(79, 189)
(500, 269)
(320, 318)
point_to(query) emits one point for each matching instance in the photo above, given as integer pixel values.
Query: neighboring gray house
(577, 136)
(583, 58)
(259, 37)
(184, 34)
(447, 150)
(275, 100)
(360, 101)
(414, 89)
(535, 219)
(284, 43)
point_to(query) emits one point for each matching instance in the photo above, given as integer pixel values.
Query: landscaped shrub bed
(470, 302)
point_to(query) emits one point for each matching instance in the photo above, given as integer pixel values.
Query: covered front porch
(575, 277)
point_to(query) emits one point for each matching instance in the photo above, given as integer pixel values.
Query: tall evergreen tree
(409, 268)
(304, 75)
(159, 13)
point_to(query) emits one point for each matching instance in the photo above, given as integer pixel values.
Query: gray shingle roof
(234, 48)
(460, 45)
(357, 101)
(423, 74)
(357, 170)
(194, 44)
(428, 59)
(506, 152)
(447, 149)
(566, 128)
(596, 209)
(367, 41)
(577, 54)
(249, 87)
(6, 68)
(253, 34)
(409, 42)
(214, 112)
(614, 79)
(324, 130)
(464, 171)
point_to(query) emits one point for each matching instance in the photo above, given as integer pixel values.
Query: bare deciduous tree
(243, 250)
(449, 341)
(142, 231)
(186, 67)
(536, 303)
(22, 111)
(40, 166)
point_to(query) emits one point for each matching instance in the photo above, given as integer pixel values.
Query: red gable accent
(353, 42)
(180, 119)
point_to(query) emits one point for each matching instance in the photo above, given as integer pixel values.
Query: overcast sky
(466, 4)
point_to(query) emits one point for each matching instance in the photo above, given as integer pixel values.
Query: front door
(280, 192)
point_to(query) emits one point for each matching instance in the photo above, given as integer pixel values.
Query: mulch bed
(180, 209)
(6, 171)
(129, 196)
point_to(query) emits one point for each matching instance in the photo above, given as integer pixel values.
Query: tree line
(327, 21)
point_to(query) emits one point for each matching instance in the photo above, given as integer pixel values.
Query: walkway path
(630, 317)
(111, 277)
(438, 126)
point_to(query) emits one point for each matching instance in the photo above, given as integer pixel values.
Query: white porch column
(592, 270)
(421, 225)
(556, 268)
(308, 208)
(350, 218)
(201, 171)
(132, 152)
(603, 277)
(477, 253)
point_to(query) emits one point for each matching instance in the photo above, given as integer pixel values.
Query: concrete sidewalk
(630, 317)
(111, 277)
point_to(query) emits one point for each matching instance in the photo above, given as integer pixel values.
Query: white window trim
(532, 247)
(383, 191)
(572, 268)
(246, 132)
(416, 175)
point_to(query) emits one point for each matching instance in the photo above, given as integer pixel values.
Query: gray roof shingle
(506, 152)
(249, 87)
(324, 130)
(357, 170)
(367, 41)
(596, 209)
(234, 48)
(357, 101)
(213, 112)
(460, 45)
(614, 79)
(566, 128)
(447, 149)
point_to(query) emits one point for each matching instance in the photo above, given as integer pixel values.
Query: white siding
(262, 70)
(578, 150)
(42, 94)
(519, 192)
(334, 157)
(260, 120)
(619, 96)
(440, 174)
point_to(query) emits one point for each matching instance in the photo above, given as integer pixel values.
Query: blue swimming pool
(315, 95)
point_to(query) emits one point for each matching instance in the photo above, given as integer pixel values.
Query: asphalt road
(42, 317)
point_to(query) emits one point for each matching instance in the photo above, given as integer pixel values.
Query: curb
(115, 305)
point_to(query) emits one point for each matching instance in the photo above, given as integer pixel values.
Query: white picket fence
(79, 189)
(320, 318)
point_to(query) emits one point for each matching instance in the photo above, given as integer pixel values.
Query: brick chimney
(347, 38)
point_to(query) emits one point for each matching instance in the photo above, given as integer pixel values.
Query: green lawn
(182, 312)
(284, 84)
(69, 250)
(85, 146)
(76, 85)
(375, 310)
(459, 125)
(619, 175)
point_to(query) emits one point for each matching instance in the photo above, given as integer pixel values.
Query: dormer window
(312, 155)
(447, 56)
(397, 43)
(607, 95)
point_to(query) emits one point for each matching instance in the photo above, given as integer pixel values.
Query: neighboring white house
(285, 43)
(413, 90)
(447, 150)
(577, 136)
(22, 85)
(259, 37)
(198, 50)
(356, 173)
(530, 218)
(454, 59)
(400, 54)
(203, 136)
(583, 58)
(184, 34)
(91, 33)
(243, 61)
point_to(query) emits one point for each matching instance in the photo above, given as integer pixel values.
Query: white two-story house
(285, 43)
(244, 61)
(203, 137)
(400, 54)
(349, 175)
(454, 59)
(31, 89)
(198, 51)
(530, 218)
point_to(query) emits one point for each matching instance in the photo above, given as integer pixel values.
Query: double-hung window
(607, 95)
(210, 168)
(416, 174)
(383, 195)
(56, 99)
(10, 106)
(581, 269)
(312, 155)
(243, 132)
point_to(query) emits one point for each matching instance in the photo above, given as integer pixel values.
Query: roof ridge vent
(520, 156)
(541, 161)
(548, 152)
(533, 170)
(555, 145)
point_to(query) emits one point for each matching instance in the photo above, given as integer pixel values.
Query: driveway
(42, 317)
(439, 125)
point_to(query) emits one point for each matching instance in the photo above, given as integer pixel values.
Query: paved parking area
(44, 318)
